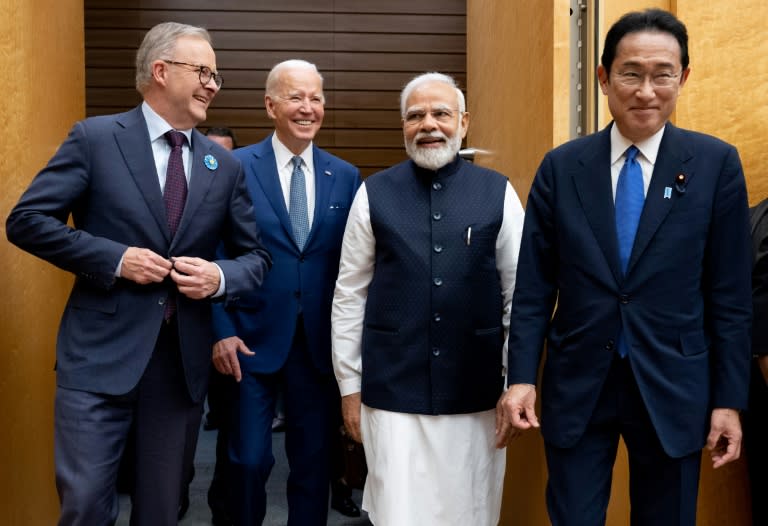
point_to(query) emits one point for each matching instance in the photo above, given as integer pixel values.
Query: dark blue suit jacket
(684, 305)
(266, 319)
(104, 175)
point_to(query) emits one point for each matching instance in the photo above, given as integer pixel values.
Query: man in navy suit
(650, 339)
(283, 330)
(134, 345)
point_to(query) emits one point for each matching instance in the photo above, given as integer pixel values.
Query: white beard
(434, 158)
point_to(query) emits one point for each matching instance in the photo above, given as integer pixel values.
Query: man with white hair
(419, 320)
(301, 195)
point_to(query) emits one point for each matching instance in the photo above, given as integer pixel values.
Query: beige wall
(41, 50)
(727, 91)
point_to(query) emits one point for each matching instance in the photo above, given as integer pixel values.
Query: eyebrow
(438, 106)
(636, 64)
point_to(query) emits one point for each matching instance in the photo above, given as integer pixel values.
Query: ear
(160, 72)
(684, 76)
(270, 105)
(602, 79)
(464, 124)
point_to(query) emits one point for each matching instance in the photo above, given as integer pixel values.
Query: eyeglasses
(635, 79)
(204, 72)
(441, 115)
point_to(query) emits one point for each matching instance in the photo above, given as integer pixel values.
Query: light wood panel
(517, 58)
(43, 100)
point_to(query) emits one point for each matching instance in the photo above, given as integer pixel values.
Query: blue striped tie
(297, 204)
(630, 198)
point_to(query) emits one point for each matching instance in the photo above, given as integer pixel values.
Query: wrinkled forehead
(300, 79)
(432, 95)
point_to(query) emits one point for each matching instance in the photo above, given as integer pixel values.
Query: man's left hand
(196, 278)
(724, 440)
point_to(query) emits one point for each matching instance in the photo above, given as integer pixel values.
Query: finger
(245, 350)
(519, 421)
(235, 366)
(502, 434)
(712, 439)
(530, 416)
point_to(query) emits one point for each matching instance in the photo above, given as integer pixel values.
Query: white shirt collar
(157, 126)
(649, 147)
(283, 155)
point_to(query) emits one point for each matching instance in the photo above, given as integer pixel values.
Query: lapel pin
(668, 192)
(680, 183)
(210, 162)
(327, 172)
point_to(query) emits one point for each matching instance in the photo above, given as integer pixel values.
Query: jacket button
(437, 186)
(609, 345)
(624, 299)
(436, 316)
(435, 351)
(438, 248)
(161, 301)
(437, 216)
(437, 281)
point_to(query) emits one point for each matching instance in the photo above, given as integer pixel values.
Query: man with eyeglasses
(419, 320)
(637, 237)
(150, 200)
(302, 195)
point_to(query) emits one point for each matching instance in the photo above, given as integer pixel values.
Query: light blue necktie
(629, 205)
(297, 204)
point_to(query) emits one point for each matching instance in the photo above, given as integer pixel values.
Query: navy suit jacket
(104, 175)
(265, 319)
(684, 304)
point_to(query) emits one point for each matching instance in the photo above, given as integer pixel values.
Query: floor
(277, 512)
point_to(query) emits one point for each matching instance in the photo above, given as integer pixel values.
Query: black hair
(654, 20)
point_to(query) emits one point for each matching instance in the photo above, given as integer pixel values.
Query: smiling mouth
(304, 123)
(430, 141)
(202, 99)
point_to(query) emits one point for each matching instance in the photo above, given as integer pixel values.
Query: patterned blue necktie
(297, 204)
(629, 205)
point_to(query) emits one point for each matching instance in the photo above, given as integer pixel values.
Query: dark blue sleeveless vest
(432, 339)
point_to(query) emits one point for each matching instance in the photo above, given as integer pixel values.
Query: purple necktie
(174, 196)
(175, 193)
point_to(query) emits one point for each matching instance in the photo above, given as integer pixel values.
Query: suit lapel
(670, 161)
(592, 178)
(200, 180)
(264, 168)
(324, 179)
(133, 141)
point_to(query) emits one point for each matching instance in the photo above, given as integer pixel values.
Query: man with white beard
(420, 316)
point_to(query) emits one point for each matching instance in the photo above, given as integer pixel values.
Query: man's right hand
(225, 356)
(518, 404)
(350, 410)
(144, 266)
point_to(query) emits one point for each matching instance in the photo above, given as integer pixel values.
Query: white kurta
(423, 470)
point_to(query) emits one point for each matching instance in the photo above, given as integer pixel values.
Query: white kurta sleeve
(507, 251)
(355, 274)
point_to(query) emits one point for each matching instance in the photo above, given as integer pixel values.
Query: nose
(646, 89)
(429, 122)
(211, 85)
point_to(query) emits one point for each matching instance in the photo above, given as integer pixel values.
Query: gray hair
(159, 43)
(273, 79)
(425, 78)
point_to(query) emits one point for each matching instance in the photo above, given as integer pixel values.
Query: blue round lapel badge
(210, 162)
